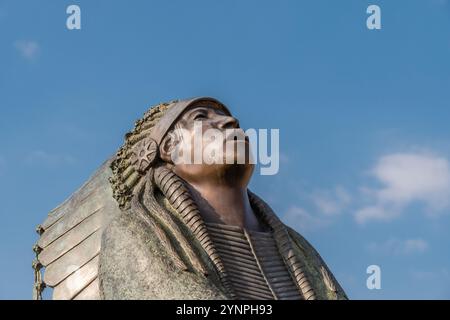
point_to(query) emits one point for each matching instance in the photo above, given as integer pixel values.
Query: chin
(242, 170)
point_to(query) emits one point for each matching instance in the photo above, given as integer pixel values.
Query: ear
(167, 146)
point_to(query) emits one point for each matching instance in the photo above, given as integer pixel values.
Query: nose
(228, 122)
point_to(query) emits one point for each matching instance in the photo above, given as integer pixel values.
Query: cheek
(214, 144)
(186, 144)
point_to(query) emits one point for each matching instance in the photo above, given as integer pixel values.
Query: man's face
(208, 141)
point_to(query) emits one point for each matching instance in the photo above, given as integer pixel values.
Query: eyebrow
(205, 109)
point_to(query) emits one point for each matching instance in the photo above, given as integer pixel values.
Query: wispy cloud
(320, 209)
(28, 49)
(406, 178)
(302, 220)
(40, 157)
(398, 247)
(331, 202)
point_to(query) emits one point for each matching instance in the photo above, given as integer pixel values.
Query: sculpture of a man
(148, 227)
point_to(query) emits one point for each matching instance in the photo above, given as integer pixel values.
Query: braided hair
(159, 198)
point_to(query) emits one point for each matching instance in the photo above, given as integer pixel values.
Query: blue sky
(363, 118)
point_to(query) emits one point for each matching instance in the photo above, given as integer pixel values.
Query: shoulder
(127, 260)
(135, 265)
(317, 268)
(126, 232)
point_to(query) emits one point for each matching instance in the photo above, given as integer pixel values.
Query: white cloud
(40, 157)
(399, 247)
(376, 212)
(300, 219)
(28, 49)
(331, 202)
(323, 205)
(407, 178)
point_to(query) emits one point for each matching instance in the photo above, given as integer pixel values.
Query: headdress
(141, 147)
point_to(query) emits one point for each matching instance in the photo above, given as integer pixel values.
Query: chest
(253, 264)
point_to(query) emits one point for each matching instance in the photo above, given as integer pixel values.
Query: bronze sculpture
(145, 227)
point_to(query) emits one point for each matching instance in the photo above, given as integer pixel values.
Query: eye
(220, 112)
(200, 116)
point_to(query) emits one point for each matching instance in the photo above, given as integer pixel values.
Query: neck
(221, 203)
